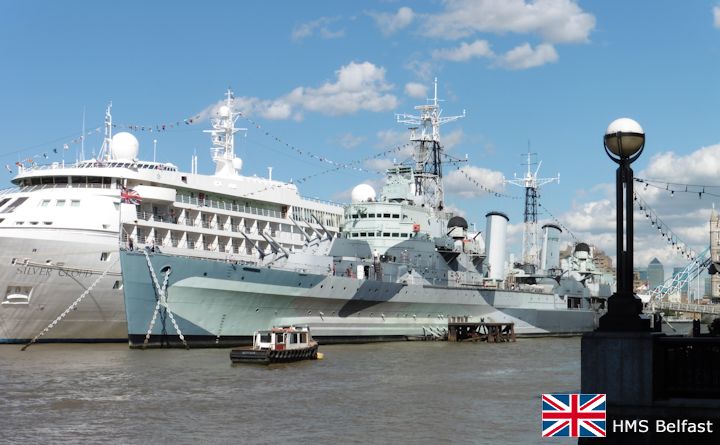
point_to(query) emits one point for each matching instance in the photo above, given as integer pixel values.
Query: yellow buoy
(320, 356)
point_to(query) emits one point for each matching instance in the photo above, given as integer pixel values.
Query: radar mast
(428, 151)
(223, 138)
(531, 183)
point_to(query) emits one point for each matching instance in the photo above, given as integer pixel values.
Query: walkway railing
(687, 367)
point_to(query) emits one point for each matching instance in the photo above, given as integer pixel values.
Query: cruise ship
(401, 267)
(61, 227)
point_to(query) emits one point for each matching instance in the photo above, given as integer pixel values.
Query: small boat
(278, 345)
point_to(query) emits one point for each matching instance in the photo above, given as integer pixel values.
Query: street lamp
(624, 142)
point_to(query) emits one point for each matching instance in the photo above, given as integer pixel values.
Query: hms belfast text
(61, 227)
(400, 269)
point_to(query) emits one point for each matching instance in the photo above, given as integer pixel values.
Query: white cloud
(685, 214)
(349, 140)
(391, 23)
(558, 21)
(388, 139)
(525, 56)
(305, 30)
(416, 90)
(357, 87)
(716, 16)
(458, 183)
(464, 52)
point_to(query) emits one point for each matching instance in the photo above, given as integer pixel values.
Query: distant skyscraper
(684, 288)
(655, 273)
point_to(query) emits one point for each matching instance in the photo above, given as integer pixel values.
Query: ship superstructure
(61, 226)
(400, 268)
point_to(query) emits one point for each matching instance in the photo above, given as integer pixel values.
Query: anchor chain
(162, 300)
(71, 307)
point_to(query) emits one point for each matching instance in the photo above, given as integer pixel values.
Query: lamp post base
(623, 315)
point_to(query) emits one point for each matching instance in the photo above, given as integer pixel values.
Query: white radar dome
(237, 164)
(363, 193)
(124, 147)
(224, 111)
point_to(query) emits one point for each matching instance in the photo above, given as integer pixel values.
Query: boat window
(78, 179)
(265, 337)
(35, 181)
(396, 216)
(293, 338)
(75, 203)
(4, 201)
(395, 235)
(46, 180)
(44, 203)
(354, 216)
(372, 215)
(355, 235)
(279, 338)
(303, 337)
(94, 180)
(60, 203)
(370, 234)
(15, 205)
(386, 215)
(363, 234)
(386, 234)
(61, 180)
(363, 215)
(404, 235)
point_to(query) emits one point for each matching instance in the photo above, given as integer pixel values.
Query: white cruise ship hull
(43, 271)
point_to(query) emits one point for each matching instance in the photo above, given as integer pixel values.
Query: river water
(382, 393)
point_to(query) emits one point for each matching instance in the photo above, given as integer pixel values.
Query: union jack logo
(130, 196)
(573, 415)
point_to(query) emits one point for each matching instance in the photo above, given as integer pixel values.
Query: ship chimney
(496, 229)
(550, 258)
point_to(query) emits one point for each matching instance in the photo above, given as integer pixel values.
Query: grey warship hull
(219, 303)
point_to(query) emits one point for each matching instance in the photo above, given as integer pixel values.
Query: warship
(401, 267)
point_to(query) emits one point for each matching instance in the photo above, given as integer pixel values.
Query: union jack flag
(573, 415)
(130, 196)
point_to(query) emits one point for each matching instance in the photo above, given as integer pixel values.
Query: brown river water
(382, 393)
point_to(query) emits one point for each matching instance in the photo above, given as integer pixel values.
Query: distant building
(655, 273)
(714, 291)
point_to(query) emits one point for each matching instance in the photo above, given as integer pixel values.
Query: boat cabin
(282, 338)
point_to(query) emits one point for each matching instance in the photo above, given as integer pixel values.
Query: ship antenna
(428, 151)
(107, 142)
(223, 138)
(532, 184)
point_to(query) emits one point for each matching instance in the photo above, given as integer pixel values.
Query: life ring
(416, 228)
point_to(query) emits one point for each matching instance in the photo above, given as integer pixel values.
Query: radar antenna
(532, 184)
(428, 151)
(223, 138)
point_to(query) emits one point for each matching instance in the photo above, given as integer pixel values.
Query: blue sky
(326, 77)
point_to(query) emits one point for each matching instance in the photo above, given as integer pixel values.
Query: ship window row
(75, 181)
(379, 234)
(59, 203)
(375, 215)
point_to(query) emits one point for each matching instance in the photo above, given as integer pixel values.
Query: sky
(322, 81)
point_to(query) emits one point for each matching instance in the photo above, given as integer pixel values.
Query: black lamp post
(624, 142)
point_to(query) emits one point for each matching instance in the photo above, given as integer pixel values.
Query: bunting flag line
(678, 245)
(557, 221)
(673, 188)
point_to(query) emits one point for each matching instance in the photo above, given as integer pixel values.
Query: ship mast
(107, 141)
(223, 138)
(428, 151)
(531, 183)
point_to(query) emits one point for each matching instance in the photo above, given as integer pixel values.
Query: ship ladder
(161, 300)
(71, 307)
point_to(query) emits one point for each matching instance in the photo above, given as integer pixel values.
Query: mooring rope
(162, 300)
(71, 307)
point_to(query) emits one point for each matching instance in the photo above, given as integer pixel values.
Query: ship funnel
(550, 258)
(496, 229)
